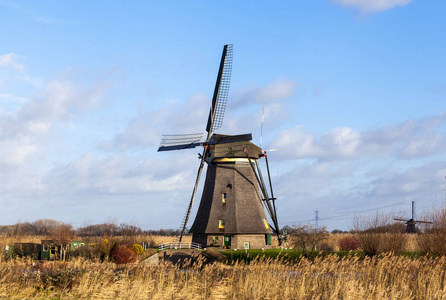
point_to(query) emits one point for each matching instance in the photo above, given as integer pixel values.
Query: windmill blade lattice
(221, 91)
(180, 141)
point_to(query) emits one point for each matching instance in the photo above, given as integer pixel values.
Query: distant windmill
(411, 223)
(230, 212)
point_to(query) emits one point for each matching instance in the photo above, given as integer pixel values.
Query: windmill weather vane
(231, 211)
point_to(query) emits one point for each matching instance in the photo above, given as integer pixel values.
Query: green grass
(292, 255)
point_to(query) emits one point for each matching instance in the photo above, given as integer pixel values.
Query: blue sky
(353, 92)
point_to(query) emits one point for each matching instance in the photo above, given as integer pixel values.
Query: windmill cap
(224, 138)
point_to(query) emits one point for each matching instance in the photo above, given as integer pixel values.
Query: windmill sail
(217, 111)
(179, 141)
(221, 91)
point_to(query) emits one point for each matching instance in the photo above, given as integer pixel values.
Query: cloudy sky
(353, 91)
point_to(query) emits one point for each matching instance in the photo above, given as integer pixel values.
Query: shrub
(62, 279)
(348, 243)
(123, 254)
(105, 248)
(324, 246)
(433, 241)
(379, 233)
(137, 248)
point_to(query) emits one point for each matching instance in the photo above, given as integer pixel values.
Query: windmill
(231, 211)
(411, 223)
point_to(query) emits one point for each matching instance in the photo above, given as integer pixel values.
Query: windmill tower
(411, 223)
(231, 212)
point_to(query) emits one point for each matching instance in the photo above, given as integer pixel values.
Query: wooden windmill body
(231, 212)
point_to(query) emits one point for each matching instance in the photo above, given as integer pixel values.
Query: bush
(105, 248)
(123, 254)
(324, 246)
(379, 233)
(348, 243)
(433, 241)
(62, 279)
(137, 249)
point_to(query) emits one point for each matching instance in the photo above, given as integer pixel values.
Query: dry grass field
(388, 277)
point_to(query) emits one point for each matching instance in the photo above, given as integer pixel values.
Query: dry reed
(388, 277)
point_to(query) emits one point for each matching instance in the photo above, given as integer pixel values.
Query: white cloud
(26, 133)
(10, 61)
(13, 98)
(296, 144)
(119, 175)
(15, 152)
(146, 129)
(60, 99)
(341, 189)
(273, 92)
(372, 6)
(418, 183)
(341, 141)
(410, 139)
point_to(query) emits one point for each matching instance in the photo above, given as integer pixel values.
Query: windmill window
(223, 197)
(221, 223)
(266, 223)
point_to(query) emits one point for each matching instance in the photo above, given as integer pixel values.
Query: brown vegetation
(379, 233)
(307, 237)
(388, 277)
(434, 239)
(348, 243)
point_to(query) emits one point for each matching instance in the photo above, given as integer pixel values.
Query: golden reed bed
(388, 277)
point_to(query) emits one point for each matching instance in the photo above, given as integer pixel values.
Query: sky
(353, 93)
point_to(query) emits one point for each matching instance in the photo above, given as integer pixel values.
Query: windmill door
(227, 241)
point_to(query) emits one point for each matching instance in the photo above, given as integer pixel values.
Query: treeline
(47, 227)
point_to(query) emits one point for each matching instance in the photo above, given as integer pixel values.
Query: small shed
(27, 249)
(54, 251)
(74, 245)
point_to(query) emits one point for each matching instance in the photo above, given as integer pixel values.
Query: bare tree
(307, 237)
(61, 235)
